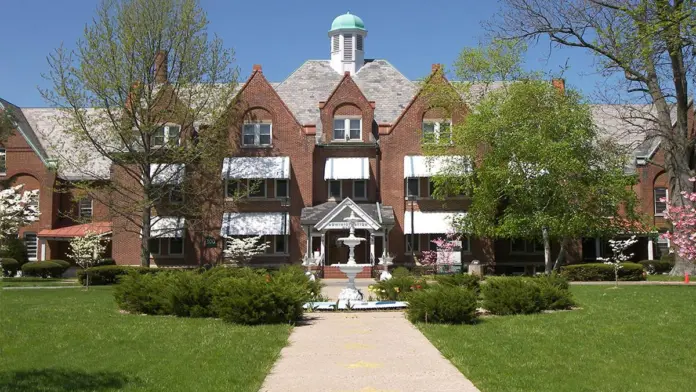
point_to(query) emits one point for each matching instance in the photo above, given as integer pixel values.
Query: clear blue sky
(280, 35)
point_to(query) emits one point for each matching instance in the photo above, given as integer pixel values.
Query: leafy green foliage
(397, 288)
(9, 266)
(44, 269)
(145, 293)
(602, 272)
(511, 295)
(110, 274)
(657, 266)
(14, 248)
(555, 292)
(471, 282)
(400, 272)
(443, 304)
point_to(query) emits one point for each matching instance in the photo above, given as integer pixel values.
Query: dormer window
(437, 131)
(347, 129)
(256, 134)
(348, 47)
(168, 134)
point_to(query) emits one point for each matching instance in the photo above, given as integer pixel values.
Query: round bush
(9, 266)
(511, 295)
(602, 272)
(144, 293)
(110, 274)
(400, 272)
(15, 249)
(555, 292)
(103, 262)
(657, 266)
(443, 304)
(463, 280)
(64, 263)
(397, 288)
(43, 269)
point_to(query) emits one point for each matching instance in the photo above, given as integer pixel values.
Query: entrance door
(337, 252)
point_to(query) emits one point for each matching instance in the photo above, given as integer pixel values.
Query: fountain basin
(350, 293)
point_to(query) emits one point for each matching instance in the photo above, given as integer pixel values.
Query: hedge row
(236, 295)
(602, 272)
(524, 295)
(110, 274)
(45, 268)
(9, 266)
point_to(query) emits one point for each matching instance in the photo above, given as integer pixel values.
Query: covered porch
(54, 244)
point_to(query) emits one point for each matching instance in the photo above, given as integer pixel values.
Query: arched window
(660, 201)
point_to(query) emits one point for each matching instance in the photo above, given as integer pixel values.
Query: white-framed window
(437, 131)
(413, 186)
(346, 129)
(415, 247)
(335, 191)
(34, 200)
(660, 206)
(257, 134)
(256, 188)
(518, 246)
(251, 187)
(3, 161)
(31, 243)
(232, 187)
(166, 135)
(85, 207)
(154, 246)
(360, 189)
(466, 244)
(174, 246)
(176, 194)
(282, 188)
(278, 244)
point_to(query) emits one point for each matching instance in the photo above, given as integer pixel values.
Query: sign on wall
(210, 242)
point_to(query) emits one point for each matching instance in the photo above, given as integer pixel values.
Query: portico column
(372, 248)
(651, 256)
(42, 249)
(308, 250)
(323, 248)
(598, 248)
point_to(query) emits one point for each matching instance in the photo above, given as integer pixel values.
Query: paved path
(362, 352)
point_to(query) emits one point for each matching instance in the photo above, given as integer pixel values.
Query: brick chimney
(161, 74)
(257, 67)
(559, 84)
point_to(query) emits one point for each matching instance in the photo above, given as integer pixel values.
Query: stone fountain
(351, 268)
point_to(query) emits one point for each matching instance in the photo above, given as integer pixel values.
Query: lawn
(635, 338)
(74, 340)
(26, 282)
(665, 278)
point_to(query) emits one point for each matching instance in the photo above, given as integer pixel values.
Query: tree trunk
(145, 237)
(561, 256)
(678, 171)
(548, 266)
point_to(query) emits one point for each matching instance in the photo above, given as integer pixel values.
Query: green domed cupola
(347, 21)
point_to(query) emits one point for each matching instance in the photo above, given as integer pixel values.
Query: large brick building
(336, 136)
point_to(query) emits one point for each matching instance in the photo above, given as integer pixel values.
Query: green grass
(76, 340)
(37, 282)
(635, 338)
(665, 278)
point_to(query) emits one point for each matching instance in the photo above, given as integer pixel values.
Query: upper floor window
(335, 191)
(522, 246)
(3, 161)
(281, 189)
(359, 189)
(85, 208)
(252, 187)
(412, 187)
(347, 129)
(168, 134)
(34, 200)
(256, 134)
(660, 201)
(437, 131)
(412, 243)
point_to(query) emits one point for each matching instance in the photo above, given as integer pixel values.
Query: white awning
(428, 166)
(347, 169)
(167, 173)
(430, 222)
(256, 167)
(255, 223)
(167, 227)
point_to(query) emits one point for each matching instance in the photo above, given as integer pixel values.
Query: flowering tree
(683, 235)
(446, 248)
(242, 249)
(87, 250)
(618, 249)
(16, 210)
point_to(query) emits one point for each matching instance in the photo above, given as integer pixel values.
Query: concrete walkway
(362, 352)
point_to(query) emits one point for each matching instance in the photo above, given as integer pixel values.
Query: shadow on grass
(62, 380)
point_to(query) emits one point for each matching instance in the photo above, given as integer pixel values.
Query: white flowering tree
(242, 249)
(17, 209)
(87, 250)
(619, 255)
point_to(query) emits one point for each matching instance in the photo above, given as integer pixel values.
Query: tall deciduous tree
(148, 90)
(647, 46)
(540, 169)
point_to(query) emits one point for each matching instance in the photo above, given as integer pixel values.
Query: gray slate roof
(632, 126)
(26, 129)
(312, 215)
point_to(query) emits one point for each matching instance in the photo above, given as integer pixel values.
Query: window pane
(431, 245)
(232, 187)
(257, 188)
(354, 134)
(158, 137)
(355, 128)
(265, 129)
(431, 187)
(517, 246)
(339, 130)
(412, 187)
(173, 134)
(176, 246)
(416, 243)
(31, 244)
(3, 160)
(154, 246)
(248, 140)
(281, 188)
(265, 140)
(660, 206)
(85, 207)
(280, 244)
(249, 129)
(465, 244)
(335, 189)
(445, 134)
(176, 194)
(429, 132)
(359, 189)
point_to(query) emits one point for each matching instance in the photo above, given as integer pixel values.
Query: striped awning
(167, 227)
(167, 173)
(429, 166)
(256, 167)
(347, 169)
(255, 223)
(430, 222)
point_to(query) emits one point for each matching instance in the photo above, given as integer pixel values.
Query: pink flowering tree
(683, 234)
(445, 253)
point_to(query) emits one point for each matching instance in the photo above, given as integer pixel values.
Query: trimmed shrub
(400, 272)
(9, 266)
(44, 269)
(443, 304)
(397, 288)
(555, 292)
(110, 274)
(471, 282)
(602, 272)
(257, 301)
(295, 275)
(103, 262)
(511, 295)
(64, 263)
(190, 295)
(656, 266)
(15, 249)
(145, 293)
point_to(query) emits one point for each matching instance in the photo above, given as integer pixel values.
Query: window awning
(167, 227)
(347, 169)
(99, 228)
(167, 173)
(256, 167)
(429, 166)
(255, 223)
(430, 222)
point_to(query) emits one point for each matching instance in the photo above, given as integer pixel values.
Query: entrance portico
(325, 223)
